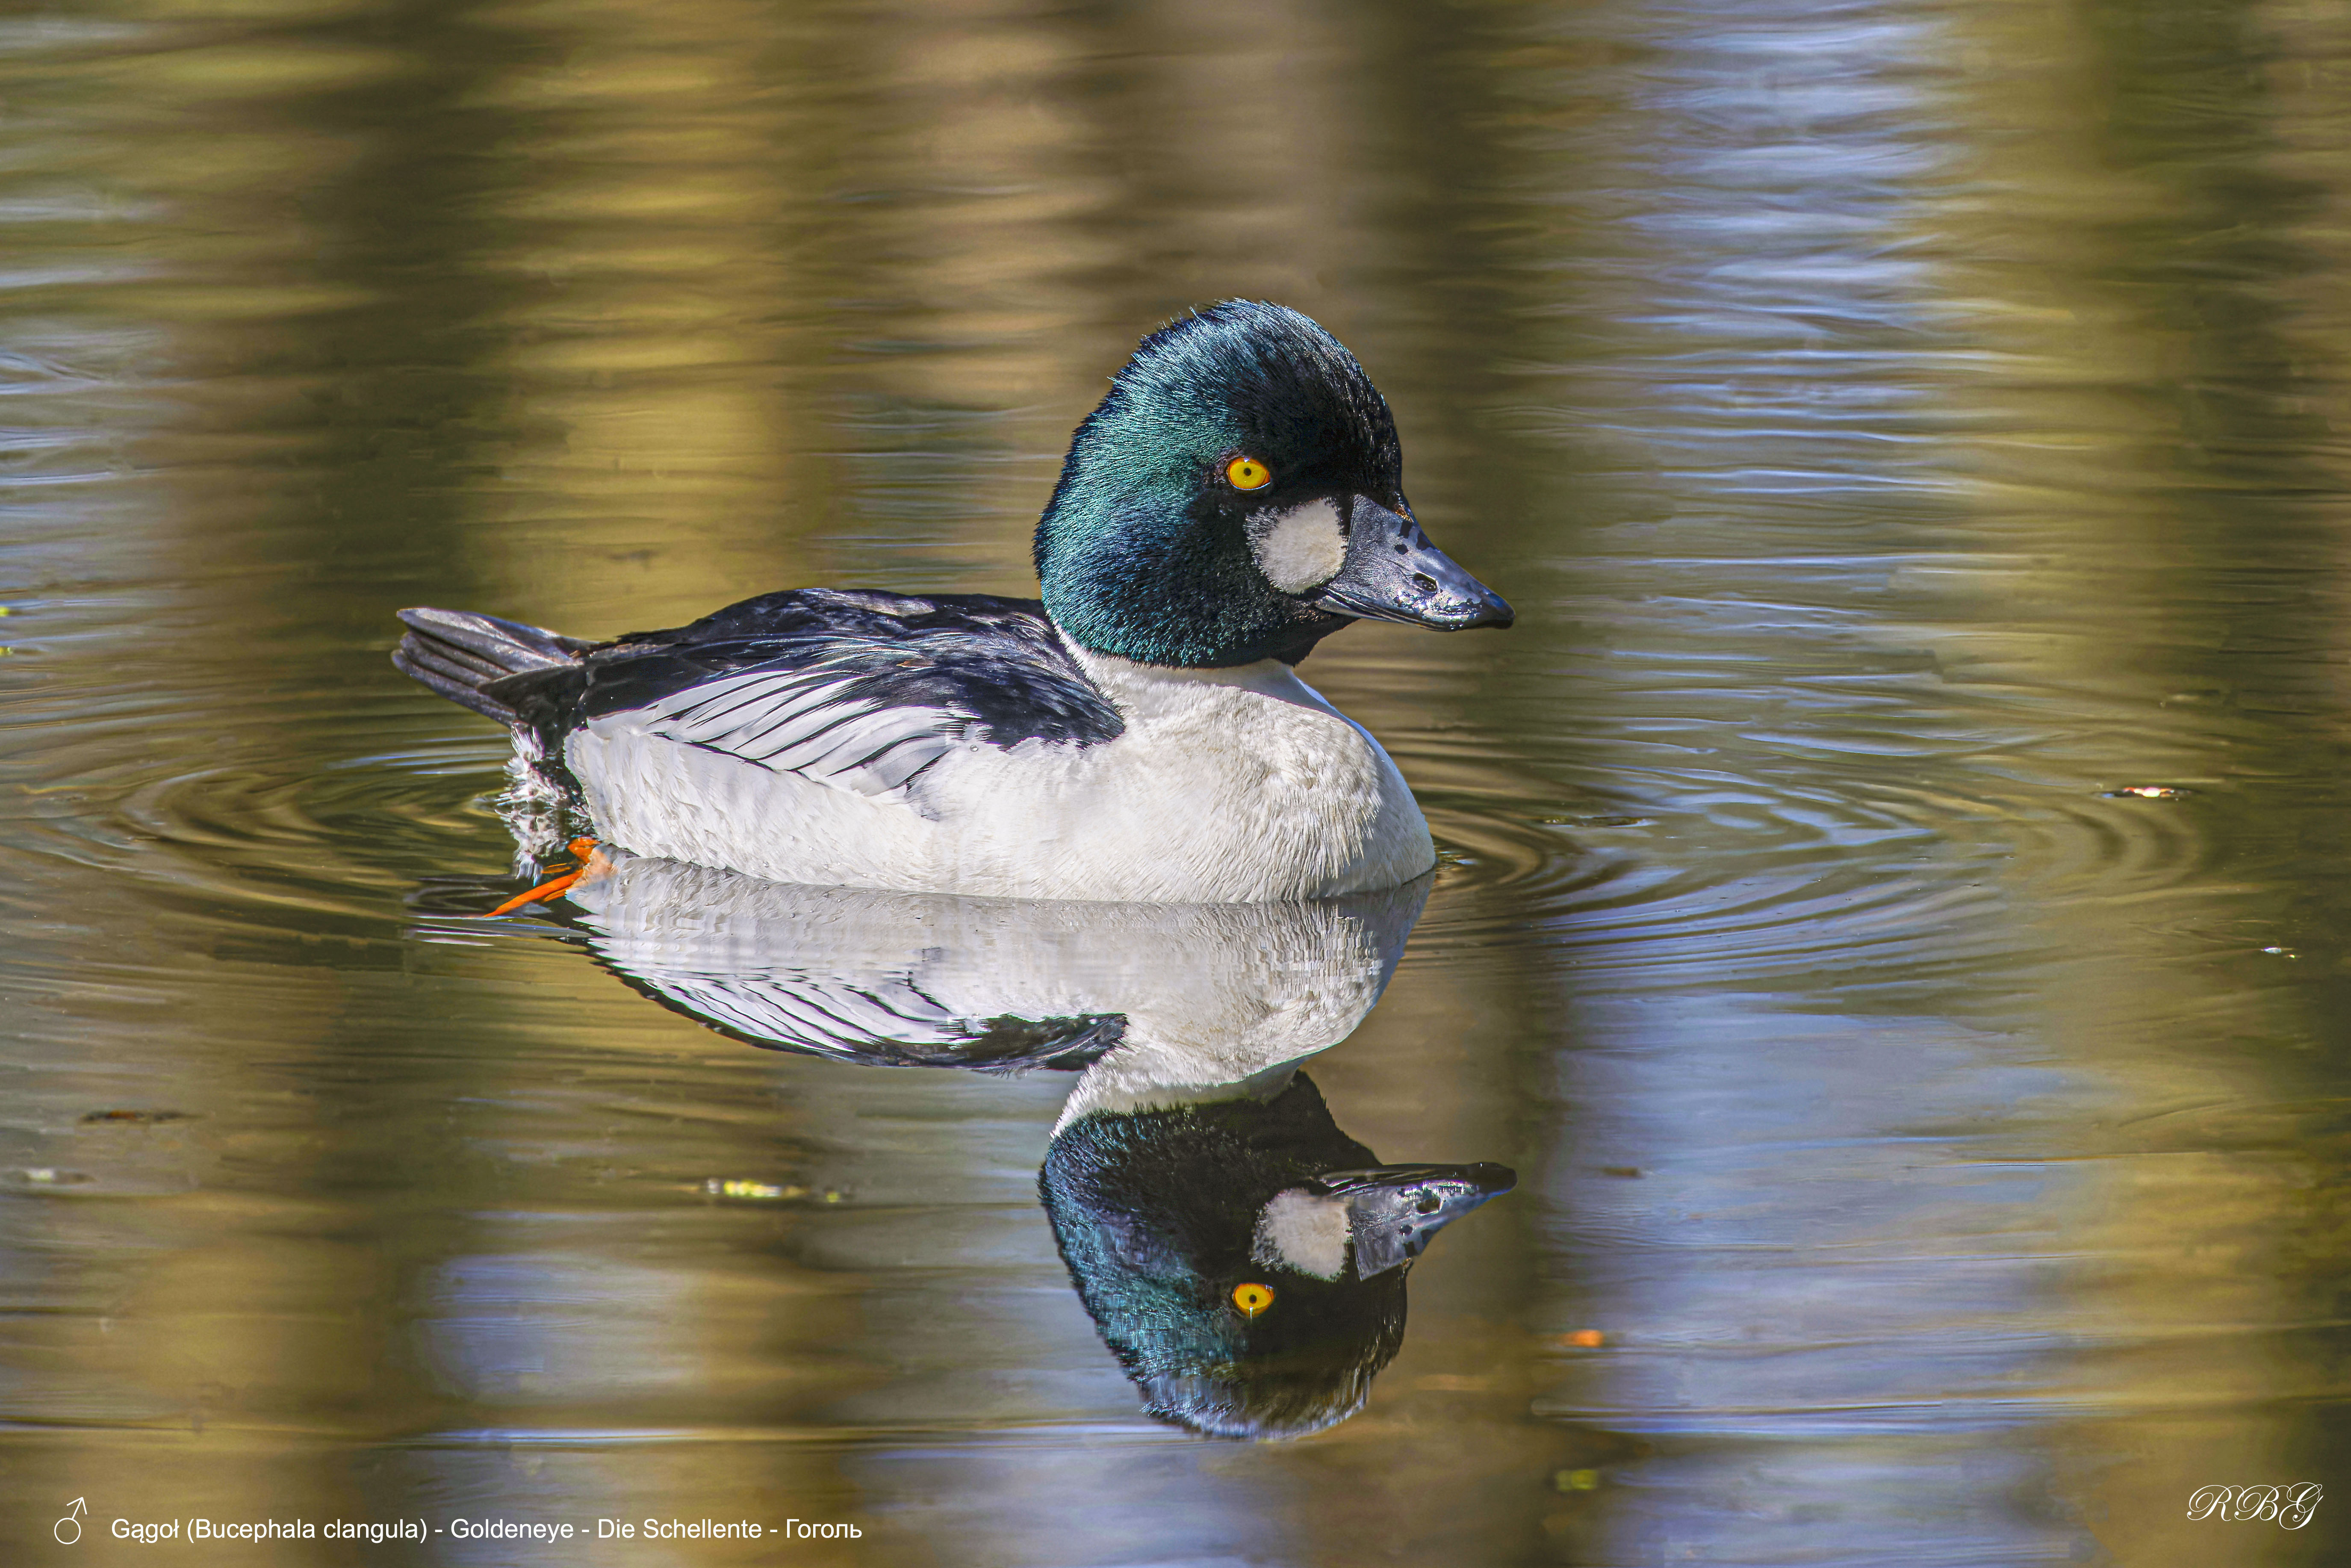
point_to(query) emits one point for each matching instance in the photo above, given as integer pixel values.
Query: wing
(884, 1021)
(860, 691)
(832, 971)
(822, 720)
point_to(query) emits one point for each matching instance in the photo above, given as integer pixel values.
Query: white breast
(1229, 785)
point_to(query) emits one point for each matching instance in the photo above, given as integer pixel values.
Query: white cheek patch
(1300, 548)
(1302, 1231)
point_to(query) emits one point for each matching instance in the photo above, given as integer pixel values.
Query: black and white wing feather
(854, 975)
(860, 691)
(881, 1021)
(820, 720)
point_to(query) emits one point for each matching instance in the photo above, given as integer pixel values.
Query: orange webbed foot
(554, 888)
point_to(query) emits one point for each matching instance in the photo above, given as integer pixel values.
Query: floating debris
(2282, 952)
(757, 1191)
(1576, 1481)
(1583, 1339)
(1628, 1172)
(1598, 821)
(143, 1118)
(2148, 792)
(768, 1192)
(50, 1175)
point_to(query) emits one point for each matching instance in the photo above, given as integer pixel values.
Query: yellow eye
(1252, 1298)
(1248, 474)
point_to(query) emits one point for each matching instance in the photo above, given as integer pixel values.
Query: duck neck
(1145, 692)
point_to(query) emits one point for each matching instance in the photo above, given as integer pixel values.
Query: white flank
(1228, 787)
(1300, 548)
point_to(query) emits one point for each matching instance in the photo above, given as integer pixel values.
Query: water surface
(1894, 902)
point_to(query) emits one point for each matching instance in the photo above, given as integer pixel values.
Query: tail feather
(458, 653)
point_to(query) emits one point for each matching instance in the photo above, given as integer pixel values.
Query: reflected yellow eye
(1252, 1298)
(1248, 474)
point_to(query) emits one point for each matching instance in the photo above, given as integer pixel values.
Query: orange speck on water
(1584, 1339)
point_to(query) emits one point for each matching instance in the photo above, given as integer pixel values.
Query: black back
(993, 662)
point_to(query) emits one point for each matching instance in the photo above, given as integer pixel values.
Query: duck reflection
(1242, 1257)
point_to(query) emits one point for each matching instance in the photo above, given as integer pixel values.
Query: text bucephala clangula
(1140, 733)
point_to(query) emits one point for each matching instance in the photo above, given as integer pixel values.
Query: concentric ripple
(245, 830)
(1679, 874)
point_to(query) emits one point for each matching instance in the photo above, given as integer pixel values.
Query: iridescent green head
(1239, 496)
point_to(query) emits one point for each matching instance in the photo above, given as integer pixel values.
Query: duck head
(1244, 1259)
(1239, 496)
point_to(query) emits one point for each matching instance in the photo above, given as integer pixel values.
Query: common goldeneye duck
(1243, 1258)
(1140, 733)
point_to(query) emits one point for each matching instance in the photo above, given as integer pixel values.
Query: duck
(1138, 732)
(1243, 1259)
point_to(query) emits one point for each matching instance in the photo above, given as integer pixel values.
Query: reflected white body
(1214, 996)
(1239, 785)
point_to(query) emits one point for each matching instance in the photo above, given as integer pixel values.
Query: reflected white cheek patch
(1307, 1232)
(1300, 548)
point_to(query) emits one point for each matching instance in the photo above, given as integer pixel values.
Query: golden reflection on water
(1900, 424)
